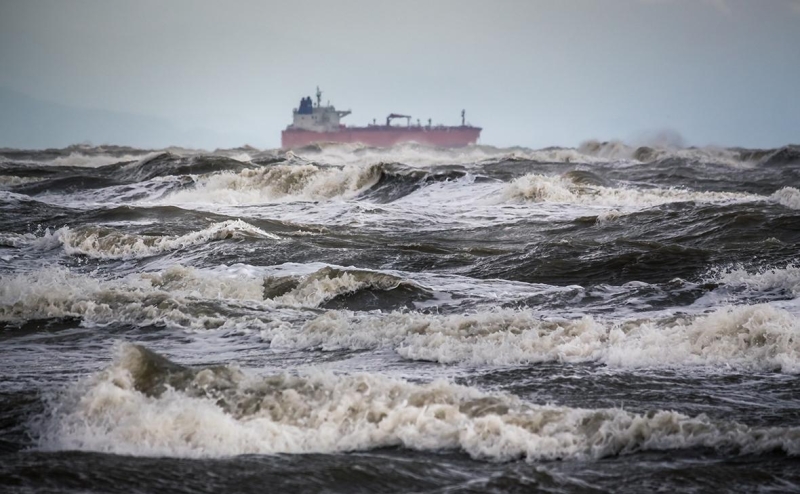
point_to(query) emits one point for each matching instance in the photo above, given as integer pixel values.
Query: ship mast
(319, 97)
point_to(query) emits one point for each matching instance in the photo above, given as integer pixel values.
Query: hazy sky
(533, 73)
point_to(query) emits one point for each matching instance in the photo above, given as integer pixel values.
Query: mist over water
(342, 318)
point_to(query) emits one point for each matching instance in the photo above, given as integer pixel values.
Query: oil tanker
(315, 123)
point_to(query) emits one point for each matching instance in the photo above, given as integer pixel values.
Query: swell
(735, 157)
(681, 242)
(166, 164)
(66, 185)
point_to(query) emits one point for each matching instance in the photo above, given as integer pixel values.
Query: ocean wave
(176, 297)
(617, 150)
(280, 182)
(345, 288)
(756, 337)
(787, 196)
(82, 160)
(106, 243)
(781, 156)
(7, 181)
(146, 405)
(781, 280)
(164, 164)
(564, 189)
(16, 239)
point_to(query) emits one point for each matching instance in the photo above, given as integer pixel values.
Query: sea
(344, 319)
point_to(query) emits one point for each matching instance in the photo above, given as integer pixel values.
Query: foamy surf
(298, 181)
(8, 181)
(787, 196)
(146, 405)
(179, 297)
(106, 243)
(562, 189)
(741, 337)
(190, 298)
(590, 303)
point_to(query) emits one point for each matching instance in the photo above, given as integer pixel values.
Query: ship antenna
(462, 117)
(319, 97)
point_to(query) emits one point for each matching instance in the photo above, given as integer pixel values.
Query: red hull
(382, 136)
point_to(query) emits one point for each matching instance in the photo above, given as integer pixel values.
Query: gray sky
(532, 73)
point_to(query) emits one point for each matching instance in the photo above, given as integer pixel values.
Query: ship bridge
(317, 118)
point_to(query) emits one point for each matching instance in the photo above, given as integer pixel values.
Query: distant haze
(533, 73)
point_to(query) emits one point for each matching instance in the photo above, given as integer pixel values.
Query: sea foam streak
(146, 405)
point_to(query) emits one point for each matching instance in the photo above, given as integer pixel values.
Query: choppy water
(345, 319)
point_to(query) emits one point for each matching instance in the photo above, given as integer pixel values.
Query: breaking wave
(757, 337)
(788, 196)
(663, 151)
(92, 160)
(164, 164)
(567, 189)
(7, 181)
(106, 243)
(178, 297)
(146, 405)
(280, 182)
(779, 280)
(345, 288)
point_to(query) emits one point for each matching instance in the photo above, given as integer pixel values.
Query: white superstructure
(317, 118)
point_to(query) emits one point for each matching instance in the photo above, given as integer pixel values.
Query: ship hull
(383, 136)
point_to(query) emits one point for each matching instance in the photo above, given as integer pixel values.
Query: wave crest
(147, 405)
(280, 182)
(788, 196)
(575, 190)
(106, 243)
(757, 337)
(346, 288)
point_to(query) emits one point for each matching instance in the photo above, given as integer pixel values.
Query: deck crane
(397, 115)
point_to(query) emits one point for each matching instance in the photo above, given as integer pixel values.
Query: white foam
(780, 279)
(222, 412)
(328, 283)
(560, 189)
(110, 244)
(168, 298)
(242, 157)
(787, 196)
(416, 155)
(755, 337)
(617, 150)
(16, 239)
(94, 160)
(279, 183)
(7, 181)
